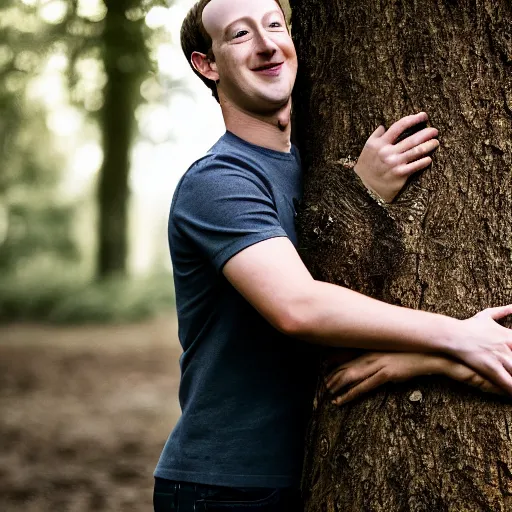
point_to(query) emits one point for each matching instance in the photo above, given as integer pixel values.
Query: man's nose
(265, 45)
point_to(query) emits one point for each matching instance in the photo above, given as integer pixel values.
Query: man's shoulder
(212, 168)
(223, 164)
(218, 175)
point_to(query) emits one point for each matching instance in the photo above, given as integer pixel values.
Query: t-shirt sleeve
(223, 210)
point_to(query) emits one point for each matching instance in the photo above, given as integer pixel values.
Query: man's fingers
(335, 374)
(369, 384)
(483, 384)
(350, 376)
(349, 359)
(420, 151)
(506, 361)
(463, 373)
(400, 126)
(417, 165)
(331, 380)
(416, 139)
(501, 377)
(344, 378)
(488, 387)
(476, 380)
(498, 312)
(378, 132)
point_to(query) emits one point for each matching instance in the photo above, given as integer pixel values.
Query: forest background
(100, 116)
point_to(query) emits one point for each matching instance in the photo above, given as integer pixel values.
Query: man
(250, 315)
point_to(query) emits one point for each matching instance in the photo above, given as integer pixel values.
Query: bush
(67, 300)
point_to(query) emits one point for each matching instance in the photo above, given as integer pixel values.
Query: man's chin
(260, 104)
(269, 105)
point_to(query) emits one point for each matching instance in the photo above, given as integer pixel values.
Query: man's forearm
(271, 276)
(335, 316)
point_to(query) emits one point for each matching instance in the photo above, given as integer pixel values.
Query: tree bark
(444, 246)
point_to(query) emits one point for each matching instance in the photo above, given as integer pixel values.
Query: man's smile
(270, 69)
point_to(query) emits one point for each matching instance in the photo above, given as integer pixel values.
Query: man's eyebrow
(246, 18)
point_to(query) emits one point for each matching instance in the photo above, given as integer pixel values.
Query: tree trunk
(444, 246)
(124, 58)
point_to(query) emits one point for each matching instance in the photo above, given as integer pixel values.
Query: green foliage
(54, 298)
(111, 46)
(34, 223)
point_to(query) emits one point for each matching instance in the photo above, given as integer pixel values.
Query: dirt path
(84, 413)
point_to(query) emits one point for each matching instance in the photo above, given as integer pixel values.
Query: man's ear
(202, 64)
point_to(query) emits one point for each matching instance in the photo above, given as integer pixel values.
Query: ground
(84, 414)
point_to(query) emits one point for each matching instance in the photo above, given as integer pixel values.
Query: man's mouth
(269, 69)
(268, 66)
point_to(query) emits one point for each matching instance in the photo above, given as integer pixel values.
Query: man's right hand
(488, 346)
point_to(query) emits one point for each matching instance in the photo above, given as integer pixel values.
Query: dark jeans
(170, 496)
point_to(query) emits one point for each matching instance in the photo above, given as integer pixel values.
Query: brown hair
(194, 38)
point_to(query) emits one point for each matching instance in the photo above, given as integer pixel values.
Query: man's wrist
(439, 365)
(369, 190)
(447, 338)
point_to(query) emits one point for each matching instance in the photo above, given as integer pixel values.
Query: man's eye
(275, 24)
(240, 33)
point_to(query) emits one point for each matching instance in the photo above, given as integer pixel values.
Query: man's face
(254, 54)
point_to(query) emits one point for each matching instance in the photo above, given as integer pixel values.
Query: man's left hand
(359, 376)
(384, 164)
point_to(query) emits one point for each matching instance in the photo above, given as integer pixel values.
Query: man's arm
(273, 278)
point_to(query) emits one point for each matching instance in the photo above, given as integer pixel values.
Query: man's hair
(194, 38)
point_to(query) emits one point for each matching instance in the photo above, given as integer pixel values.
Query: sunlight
(157, 17)
(65, 121)
(171, 61)
(177, 13)
(93, 10)
(57, 62)
(54, 11)
(49, 89)
(85, 164)
(154, 122)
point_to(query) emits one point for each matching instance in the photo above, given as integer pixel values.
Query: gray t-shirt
(246, 389)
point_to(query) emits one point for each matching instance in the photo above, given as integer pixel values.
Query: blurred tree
(125, 59)
(123, 40)
(110, 42)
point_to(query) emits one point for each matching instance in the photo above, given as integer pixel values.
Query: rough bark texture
(444, 246)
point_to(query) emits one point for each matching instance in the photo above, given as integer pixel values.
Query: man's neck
(271, 132)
